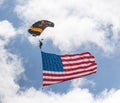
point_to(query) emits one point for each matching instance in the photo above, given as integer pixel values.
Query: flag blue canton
(52, 62)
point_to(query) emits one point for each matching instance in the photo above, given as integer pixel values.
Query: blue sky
(80, 25)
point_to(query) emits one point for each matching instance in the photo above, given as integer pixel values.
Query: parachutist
(38, 27)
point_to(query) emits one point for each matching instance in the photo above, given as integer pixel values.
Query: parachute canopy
(37, 28)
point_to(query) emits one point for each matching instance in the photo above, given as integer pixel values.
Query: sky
(80, 26)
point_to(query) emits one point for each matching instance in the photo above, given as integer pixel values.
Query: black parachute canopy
(37, 28)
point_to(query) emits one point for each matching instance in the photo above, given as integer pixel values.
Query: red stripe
(67, 79)
(70, 74)
(76, 54)
(75, 64)
(80, 67)
(77, 58)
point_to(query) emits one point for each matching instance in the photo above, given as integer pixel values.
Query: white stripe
(68, 77)
(50, 82)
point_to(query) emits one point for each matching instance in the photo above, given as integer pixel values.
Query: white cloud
(76, 95)
(10, 64)
(1, 1)
(77, 22)
(10, 68)
(81, 82)
(6, 31)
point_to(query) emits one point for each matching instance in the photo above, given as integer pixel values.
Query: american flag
(60, 68)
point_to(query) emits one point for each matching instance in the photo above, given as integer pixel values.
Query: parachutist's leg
(40, 44)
